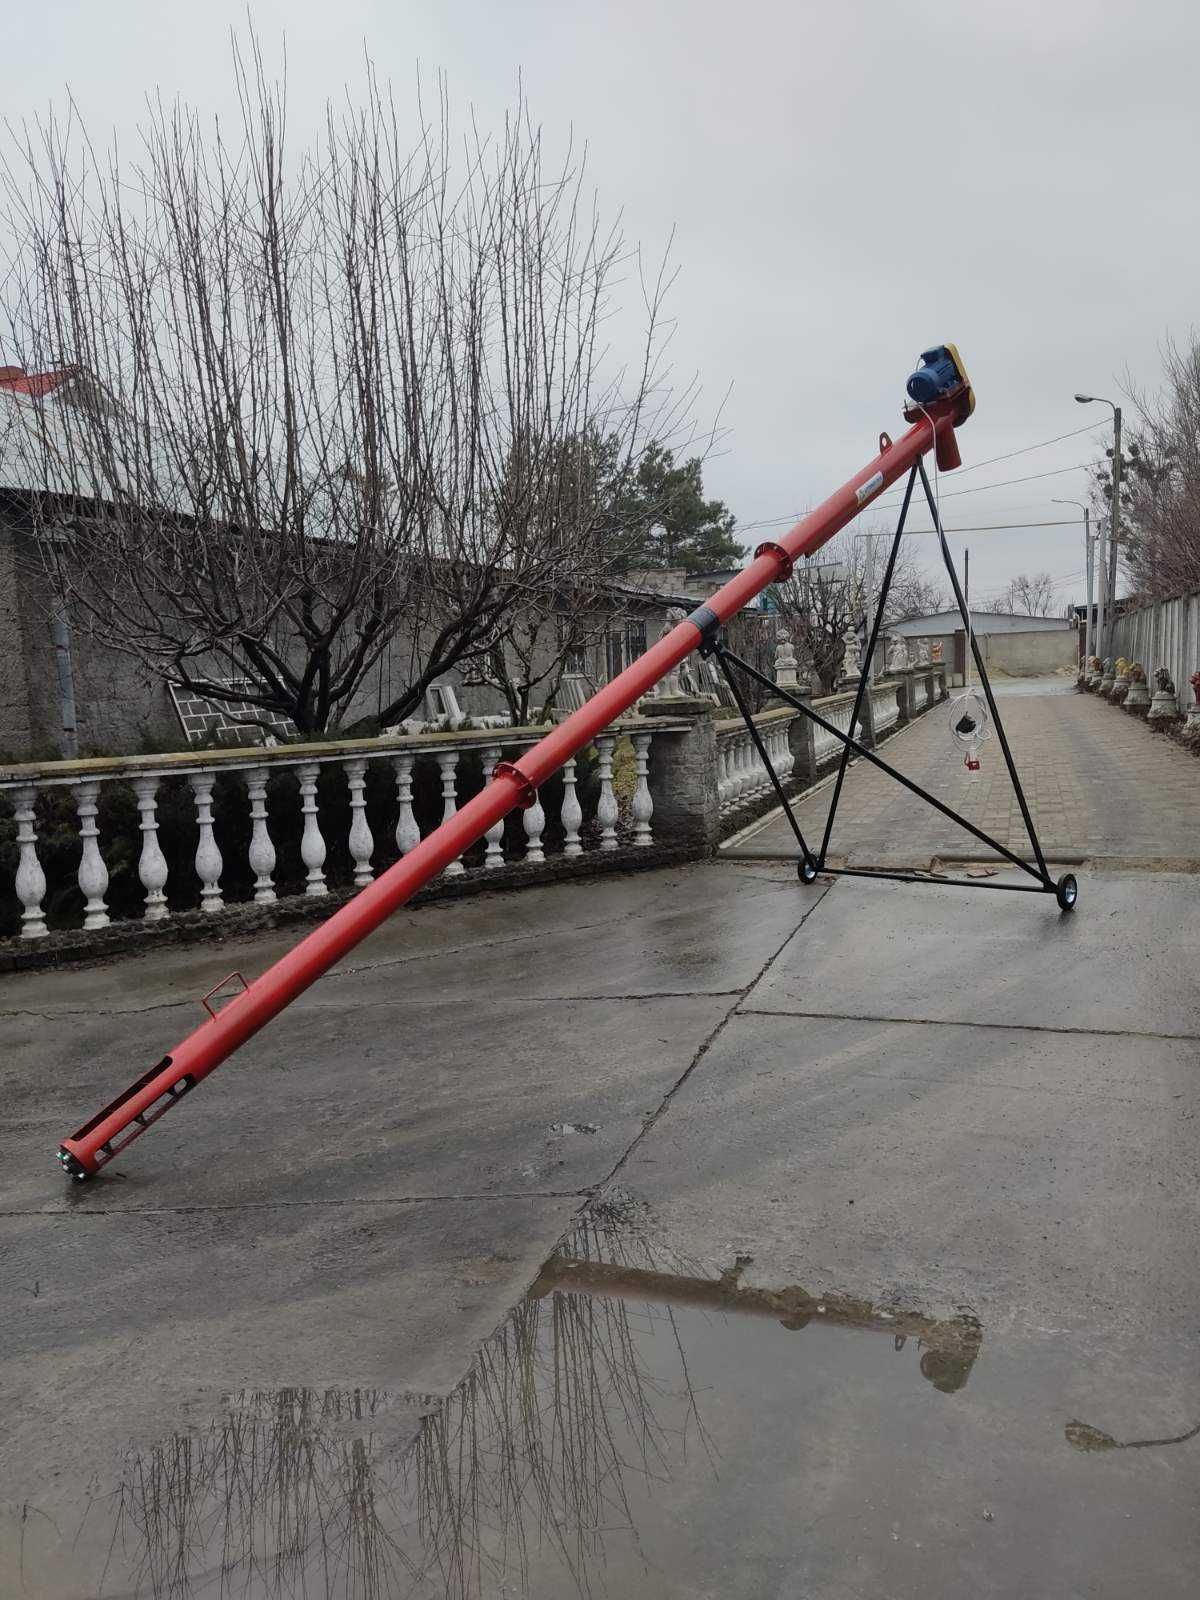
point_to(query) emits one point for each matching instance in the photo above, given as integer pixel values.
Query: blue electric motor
(938, 375)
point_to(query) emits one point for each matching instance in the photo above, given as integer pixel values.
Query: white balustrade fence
(438, 762)
(825, 746)
(885, 700)
(742, 777)
(365, 802)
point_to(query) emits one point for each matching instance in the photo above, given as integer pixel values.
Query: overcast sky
(848, 184)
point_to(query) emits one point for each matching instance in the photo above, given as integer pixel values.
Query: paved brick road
(1098, 781)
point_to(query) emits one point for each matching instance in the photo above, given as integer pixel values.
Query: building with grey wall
(64, 688)
(1020, 646)
(78, 695)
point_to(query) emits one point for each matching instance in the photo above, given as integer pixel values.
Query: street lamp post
(1089, 638)
(1114, 531)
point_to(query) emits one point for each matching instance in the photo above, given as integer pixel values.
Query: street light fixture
(1089, 636)
(1115, 520)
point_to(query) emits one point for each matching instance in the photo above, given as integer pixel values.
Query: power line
(791, 516)
(990, 527)
(952, 494)
(1092, 427)
(1002, 483)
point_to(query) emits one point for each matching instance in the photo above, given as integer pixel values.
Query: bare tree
(1028, 594)
(825, 598)
(915, 594)
(537, 648)
(1160, 481)
(322, 401)
(534, 647)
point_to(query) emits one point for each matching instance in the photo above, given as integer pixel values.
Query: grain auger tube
(941, 400)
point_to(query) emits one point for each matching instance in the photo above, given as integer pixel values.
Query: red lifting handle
(216, 989)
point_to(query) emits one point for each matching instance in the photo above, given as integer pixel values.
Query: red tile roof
(17, 381)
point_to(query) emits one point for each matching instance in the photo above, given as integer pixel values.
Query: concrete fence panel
(1164, 634)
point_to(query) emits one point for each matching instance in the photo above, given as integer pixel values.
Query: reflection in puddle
(949, 1348)
(273, 1499)
(1082, 1436)
(597, 1424)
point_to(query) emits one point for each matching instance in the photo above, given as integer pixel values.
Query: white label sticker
(865, 490)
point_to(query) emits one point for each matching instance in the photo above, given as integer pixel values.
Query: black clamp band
(786, 565)
(509, 769)
(709, 623)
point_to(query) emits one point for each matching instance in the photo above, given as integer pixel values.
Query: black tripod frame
(810, 864)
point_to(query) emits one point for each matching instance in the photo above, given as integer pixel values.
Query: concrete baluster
(643, 805)
(447, 765)
(408, 834)
(493, 855)
(572, 811)
(152, 864)
(361, 841)
(607, 810)
(93, 874)
(262, 851)
(31, 880)
(208, 856)
(533, 819)
(312, 843)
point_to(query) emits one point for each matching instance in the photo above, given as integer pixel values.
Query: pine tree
(667, 522)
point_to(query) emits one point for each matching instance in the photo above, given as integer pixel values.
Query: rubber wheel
(1066, 892)
(806, 871)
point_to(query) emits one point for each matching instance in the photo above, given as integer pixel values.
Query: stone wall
(120, 709)
(683, 776)
(1020, 654)
(16, 734)
(1027, 655)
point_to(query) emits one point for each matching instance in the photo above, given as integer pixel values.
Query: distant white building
(984, 623)
(1014, 645)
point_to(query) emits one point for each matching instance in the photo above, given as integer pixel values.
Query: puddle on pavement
(636, 1428)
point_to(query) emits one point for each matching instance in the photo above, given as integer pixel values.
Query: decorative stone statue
(850, 665)
(897, 653)
(1108, 677)
(922, 652)
(785, 664)
(671, 685)
(1138, 698)
(1120, 686)
(685, 678)
(1164, 708)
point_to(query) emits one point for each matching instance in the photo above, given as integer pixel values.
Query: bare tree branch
(822, 600)
(325, 404)
(1027, 595)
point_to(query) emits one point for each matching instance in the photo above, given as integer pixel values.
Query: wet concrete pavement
(1100, 785)
(932, 1153)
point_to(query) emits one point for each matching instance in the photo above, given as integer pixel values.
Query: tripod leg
(808, 866)
(864, 681)
(987, 689)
